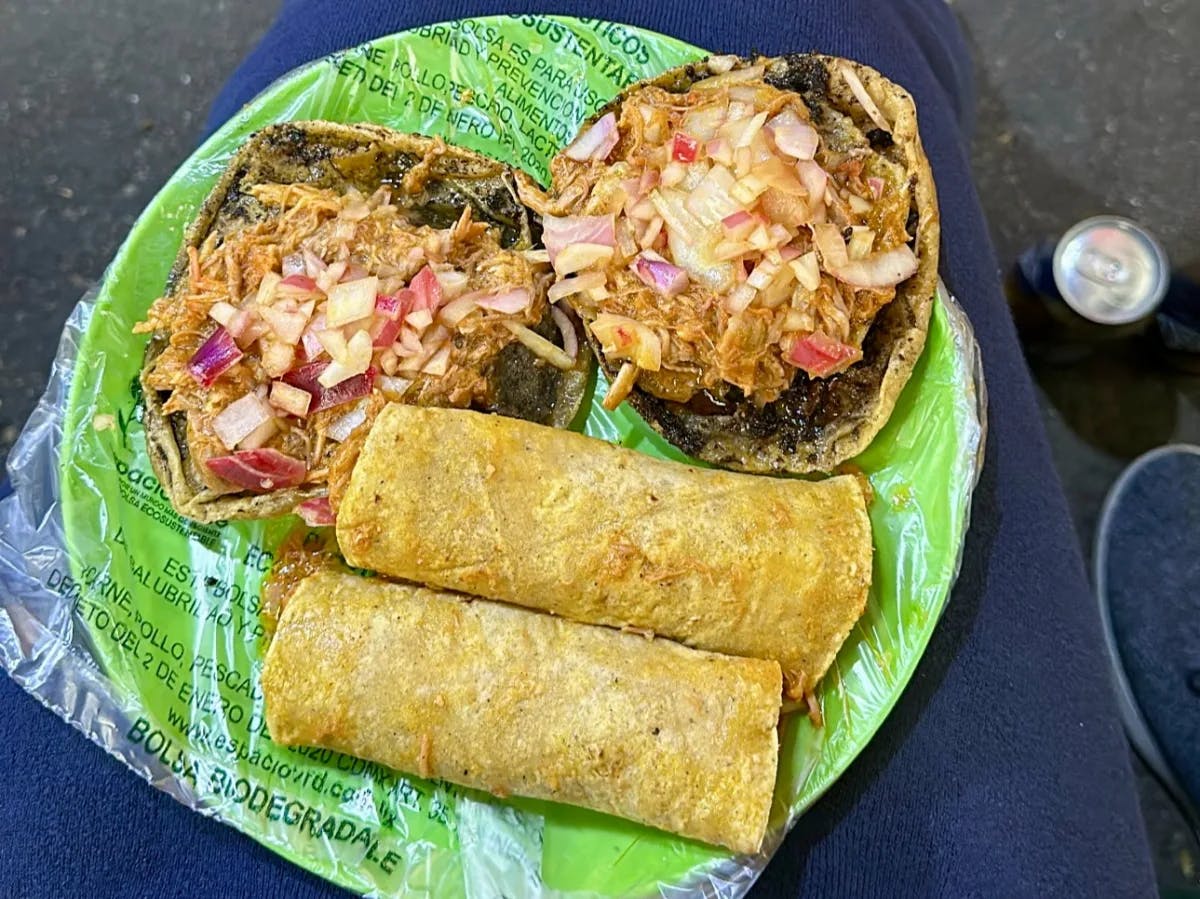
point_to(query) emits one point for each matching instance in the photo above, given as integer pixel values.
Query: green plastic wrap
(143, 628)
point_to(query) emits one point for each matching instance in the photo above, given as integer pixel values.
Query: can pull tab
(1096, 265)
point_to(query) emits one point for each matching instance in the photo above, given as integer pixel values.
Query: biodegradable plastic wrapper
(142, 629)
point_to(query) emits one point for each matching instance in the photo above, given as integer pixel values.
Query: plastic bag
(142, 630)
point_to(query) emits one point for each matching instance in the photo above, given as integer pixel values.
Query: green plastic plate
(171, 607)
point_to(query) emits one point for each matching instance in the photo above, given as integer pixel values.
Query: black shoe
(1147, 574)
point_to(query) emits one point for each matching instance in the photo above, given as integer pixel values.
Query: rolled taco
(332, 270)
(753, 244)
(519, 703)
(768, 568)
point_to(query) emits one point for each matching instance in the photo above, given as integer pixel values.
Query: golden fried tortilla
(520, 703)
(751, 566)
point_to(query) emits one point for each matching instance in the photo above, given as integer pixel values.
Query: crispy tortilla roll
(521, 703)
(732, 563)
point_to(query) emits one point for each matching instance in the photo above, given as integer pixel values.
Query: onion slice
(307, 378)
(259, 470)
(860, 93)
(821, 356)
(540, 346)
(567, 330)
(878, 270)
(508, 301)
(351, 300)
(343, 426)
(621, 386)
(316, 512)
(625, 338)
(240, 419)
(292, 400)
(656, 272)
(216, 356)
(827, 238)
(597, 142)
(559, 232)
(578, 284)
(793, 136)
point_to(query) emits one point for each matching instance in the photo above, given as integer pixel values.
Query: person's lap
(1002, 771)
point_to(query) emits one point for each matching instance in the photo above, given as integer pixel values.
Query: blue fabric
(1003, 770)
(1152, 593)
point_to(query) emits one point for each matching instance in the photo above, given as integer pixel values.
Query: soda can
(1103, 279)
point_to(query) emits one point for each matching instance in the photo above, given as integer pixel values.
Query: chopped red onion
(351, 388)
(426, 289)
(260, 470)
(597, 142)
(240, 419)
(509, 301)
(878, 270)
(293, 264)
(569, 338)
(821, 356)
(560, 232)
(664, 277)
(216, 355)
(316, 512)
(793, 136)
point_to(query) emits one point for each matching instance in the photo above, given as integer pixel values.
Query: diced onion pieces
(452, 282)
(307, 378)
(385, 331)
(793, 136)
(830, 246)
(456, 310)
(298, 283)
(597, 142)
(223, 313)
(683, 148)
(394, 388)
(287, 326)
(861, 242)
(624, 338)
(559, 232)
(821, 356)
(878, 270)
(439, 363)
(343, 426)
(240, 419)
(426, 289)
(807, 270)
(350, 301)
(216, 356)
(665, 278)
(258, 470)
(579, 256)
(293, 265)
(316, 512)
(393, 307)
(292, 400)
(508, 301)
